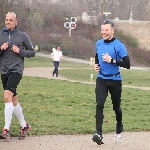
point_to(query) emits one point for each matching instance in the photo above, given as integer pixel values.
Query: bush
(129, 40)
(141, 56)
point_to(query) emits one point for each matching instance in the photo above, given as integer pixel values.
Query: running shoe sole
(97, 139)
(5, 138)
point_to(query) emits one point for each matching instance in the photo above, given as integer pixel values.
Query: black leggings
(115, 89)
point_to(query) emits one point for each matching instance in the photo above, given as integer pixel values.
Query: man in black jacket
(14, 46)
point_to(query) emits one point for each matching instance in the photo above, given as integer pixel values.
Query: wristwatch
(114, 61)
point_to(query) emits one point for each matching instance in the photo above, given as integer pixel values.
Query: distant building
(89, 19)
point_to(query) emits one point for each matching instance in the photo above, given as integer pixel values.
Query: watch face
(114, 61)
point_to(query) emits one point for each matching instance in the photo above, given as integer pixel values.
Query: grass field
(63, 107)
(130, 77)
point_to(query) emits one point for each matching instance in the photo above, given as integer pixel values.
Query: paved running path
(130, 141)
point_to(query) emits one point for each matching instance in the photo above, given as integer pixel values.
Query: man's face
(107, 31)
(10, 21)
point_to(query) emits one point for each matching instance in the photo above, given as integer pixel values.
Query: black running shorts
(10, 81)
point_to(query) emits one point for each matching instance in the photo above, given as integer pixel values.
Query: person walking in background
(110, 54)
(56, 56)
(14, 46)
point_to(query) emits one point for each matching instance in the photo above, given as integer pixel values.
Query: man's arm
(96, 59)
(125, 62)
(3, 47)
(28, 50)
(96, 66)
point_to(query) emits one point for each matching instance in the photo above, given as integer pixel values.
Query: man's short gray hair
(13, 14)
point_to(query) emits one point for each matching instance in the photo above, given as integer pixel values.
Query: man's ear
(16, 23)
(112, 30)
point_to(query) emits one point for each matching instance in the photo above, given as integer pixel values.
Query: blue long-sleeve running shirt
(117, 51)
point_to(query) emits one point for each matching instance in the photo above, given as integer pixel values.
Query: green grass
(47, 62)
(63, 107)
(130, 77)
(136, 77)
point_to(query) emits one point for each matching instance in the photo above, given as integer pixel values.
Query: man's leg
(101, 95)
(25, 127)
(18, 112)
(115, 91)
(9, 108)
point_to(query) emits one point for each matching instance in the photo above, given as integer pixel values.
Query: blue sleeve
(122, 52)
(123, 60)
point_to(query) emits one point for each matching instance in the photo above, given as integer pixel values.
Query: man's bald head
(11, 20)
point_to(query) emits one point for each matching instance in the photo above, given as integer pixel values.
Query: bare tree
(4, 6)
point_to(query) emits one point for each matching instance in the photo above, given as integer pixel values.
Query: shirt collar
(109, 41)
(6, 30)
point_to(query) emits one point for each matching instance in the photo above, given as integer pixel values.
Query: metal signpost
(70, 24)
(106, 14)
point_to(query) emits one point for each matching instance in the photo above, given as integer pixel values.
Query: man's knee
(100, 106)
(99, 110)
(15, 100)
(8, 96)
(117, 109)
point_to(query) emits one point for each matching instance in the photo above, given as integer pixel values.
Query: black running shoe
(98, 139)
(119, 128)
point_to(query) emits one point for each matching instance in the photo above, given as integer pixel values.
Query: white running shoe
(118, 138)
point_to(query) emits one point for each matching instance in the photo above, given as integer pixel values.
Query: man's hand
(4, 46)
(97, 67)
(106, 58)
(15, 49)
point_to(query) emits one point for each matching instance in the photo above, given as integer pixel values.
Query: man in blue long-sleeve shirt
(110, 55)
(14, 46)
